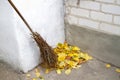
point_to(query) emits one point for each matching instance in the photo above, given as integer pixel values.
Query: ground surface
(91, 70)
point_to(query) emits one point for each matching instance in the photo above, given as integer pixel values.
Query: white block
(80, 12)
(101, 16)
(117, 20)
(107, 1)
(17, 47)
(112, 29)
(72, 19)
(113, 9)
(88, 23)
(90, 5)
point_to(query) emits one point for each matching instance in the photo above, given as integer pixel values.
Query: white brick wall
(80, 12)
(103, 15)
(88, 23)
(113, 9)
(110, 28)
(117, 20)
(92, 5)
(107, 1)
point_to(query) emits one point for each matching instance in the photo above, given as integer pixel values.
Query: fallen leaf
(47, 71)
(108, 65)
(68, 71)
(28, 75)
(34, 79)
(76, 48)
(117, 70)
(37, 74)
(58, 71)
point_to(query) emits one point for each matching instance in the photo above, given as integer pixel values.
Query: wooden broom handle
(28, 26)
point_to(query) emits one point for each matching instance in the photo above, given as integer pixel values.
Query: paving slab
(91, 70)
(7, 73)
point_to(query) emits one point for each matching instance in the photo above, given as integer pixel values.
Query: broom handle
(28, 26)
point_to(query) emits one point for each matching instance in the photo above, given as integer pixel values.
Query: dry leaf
(108, 65)
(47, 71)
(28, 75)
(68, 71)
(58, 71)
(69, 57)
(37, 74)
(117, 70)
(34, 79)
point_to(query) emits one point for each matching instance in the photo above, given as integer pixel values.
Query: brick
(117, 20)
(110, 28)
(90, 5)
(67, 10)
(107, 1)
(101, 16)
(72, 20)
(88, 23)
(72, 2)
(80, 12)
(113, 9)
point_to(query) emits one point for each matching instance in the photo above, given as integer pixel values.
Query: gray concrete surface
(7, 73)
(91, 70)
(101, 45)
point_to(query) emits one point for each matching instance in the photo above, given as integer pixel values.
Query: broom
(47, 53)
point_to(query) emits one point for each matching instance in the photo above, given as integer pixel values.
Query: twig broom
(47, 53)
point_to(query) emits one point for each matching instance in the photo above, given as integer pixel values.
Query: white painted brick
(90, 5)
(117, 20)
(110, 28)
(107, 1)
(67, 10)
(72, 2)
(88, 23)
(101, 16)
(118, 1)
(72, 19)
(80, 12)
(113, 9)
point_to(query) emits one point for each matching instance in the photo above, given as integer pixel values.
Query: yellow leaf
(61, 56)
(70, 54)
(75, 54)
(61, 64)
(37, 74)
(68, 71)
(59, 45)
(47, 71)
(76, 48)
(58, 71)
(28, 75)
(77, 67)
(34, 79)
(76, 59)
(108, 65)
(117, 70)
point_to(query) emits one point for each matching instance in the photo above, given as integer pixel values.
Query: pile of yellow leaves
(69, 57)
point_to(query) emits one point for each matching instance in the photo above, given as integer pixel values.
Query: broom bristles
(47, 53)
